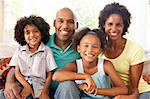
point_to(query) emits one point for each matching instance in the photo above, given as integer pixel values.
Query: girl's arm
(118, 85)
(69, 72)
(27, 90)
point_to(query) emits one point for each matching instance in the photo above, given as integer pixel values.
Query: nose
(31, 34)
(89, 48)
(65, 24)
(113, 28)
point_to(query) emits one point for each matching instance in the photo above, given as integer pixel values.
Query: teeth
(113, 34)
(89, 55)
(33, 40)
(64, 32)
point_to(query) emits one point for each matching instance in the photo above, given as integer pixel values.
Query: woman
(126, 56)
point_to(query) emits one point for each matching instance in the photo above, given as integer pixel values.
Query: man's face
(65, 25)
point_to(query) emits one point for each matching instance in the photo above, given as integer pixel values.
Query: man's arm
(11, 87)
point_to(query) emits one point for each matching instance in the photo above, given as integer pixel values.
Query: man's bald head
(66, 11)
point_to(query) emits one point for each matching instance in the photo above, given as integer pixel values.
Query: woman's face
(114, 26)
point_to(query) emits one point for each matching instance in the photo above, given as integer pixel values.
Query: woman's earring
(107, 38)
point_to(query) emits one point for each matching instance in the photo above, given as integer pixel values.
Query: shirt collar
(40, 49)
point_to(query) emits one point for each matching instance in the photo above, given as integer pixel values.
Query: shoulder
(133, 45)
(107, 65)
(51, 39)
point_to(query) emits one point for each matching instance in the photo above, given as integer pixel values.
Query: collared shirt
(62, 57)
(34, 65)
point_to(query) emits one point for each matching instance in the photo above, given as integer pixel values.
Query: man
(65, 24)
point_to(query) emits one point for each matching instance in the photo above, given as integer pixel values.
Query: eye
(71, 21)
(85, 45)
(109, 24)
(27, 32)
(59, 21)
(36, 31)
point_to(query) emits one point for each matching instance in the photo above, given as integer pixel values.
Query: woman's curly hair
(37, 21)
(81, 33)
(115, 8)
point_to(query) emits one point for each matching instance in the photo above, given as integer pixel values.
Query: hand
(12, 91)
(44, 96)
(147, 78)
(27, 90)
(91, 86)
(83, 86)
(132, 96)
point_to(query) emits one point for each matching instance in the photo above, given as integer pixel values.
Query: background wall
(87, 12)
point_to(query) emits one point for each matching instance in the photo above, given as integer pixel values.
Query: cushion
(6, 52)
(4, 68)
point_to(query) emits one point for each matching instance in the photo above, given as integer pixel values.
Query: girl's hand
(91, 86)
(27, 90)
(83, 86)
(44, 96)
(132, 96)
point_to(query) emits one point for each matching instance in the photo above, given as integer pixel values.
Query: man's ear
(54, 23)
(77, 25)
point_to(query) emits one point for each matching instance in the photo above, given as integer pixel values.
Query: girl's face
(89, 48)
(32, 35)
(114, 26)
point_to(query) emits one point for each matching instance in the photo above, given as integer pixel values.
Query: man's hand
(11, 90)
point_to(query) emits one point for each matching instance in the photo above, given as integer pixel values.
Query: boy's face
(65, 25)
(89, 48)
(32, 36)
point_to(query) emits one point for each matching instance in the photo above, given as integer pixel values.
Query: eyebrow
(64, 19)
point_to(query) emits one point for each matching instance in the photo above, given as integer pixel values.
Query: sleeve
(14, 59)
(137, 55)
(51, 64)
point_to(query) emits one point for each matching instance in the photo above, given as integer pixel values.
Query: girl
(33, 60)
(91, 73)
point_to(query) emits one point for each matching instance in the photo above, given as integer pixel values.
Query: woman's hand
(147, 78)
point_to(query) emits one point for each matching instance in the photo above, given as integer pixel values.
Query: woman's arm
(135, 74)
(118, 85)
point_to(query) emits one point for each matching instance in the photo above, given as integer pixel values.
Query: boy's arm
(47, 83)
(44, 93)
(20, 77)
(27, 90)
